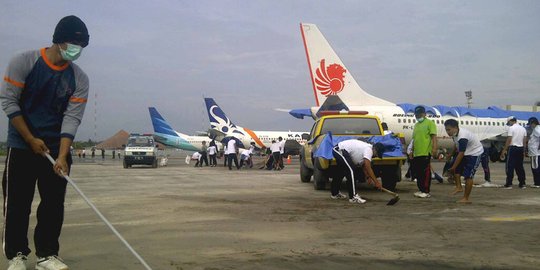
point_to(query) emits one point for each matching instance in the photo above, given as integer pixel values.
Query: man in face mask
(424, 146)
(44, 96)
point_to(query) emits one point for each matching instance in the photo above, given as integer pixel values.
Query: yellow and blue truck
(353, 125)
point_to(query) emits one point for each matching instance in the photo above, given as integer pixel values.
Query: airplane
(164, 134)
(335, 89)
(221, 125)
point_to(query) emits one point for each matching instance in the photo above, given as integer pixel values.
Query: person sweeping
(350, 155)
(44, 95)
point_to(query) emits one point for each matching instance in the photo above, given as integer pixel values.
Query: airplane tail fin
(159, 123)
(329, 75)
(218, 119)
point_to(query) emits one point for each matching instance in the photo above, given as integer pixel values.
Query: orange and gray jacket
(50, 98)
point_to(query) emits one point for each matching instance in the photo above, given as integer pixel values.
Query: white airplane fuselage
(330, 77)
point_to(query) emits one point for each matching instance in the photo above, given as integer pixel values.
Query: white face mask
(71, 53)
(420, 119)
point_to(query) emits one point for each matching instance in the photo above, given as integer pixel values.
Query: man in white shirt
(212, 152)
(276, 149)
(281, 142)
(231, 151)
(514, 147)
(350, 155)
(469, 151)
(197, 156)
(245, 157)
(534, 150)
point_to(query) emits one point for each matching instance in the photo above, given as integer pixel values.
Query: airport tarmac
(181, 217)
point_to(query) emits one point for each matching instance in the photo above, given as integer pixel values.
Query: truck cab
(140, 150)
(357, 124)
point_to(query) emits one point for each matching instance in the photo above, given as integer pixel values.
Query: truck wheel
(305, 172)
(125, 165)
(319, 177)
(390, 176)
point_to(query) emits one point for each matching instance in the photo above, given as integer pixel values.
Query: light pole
(468, 95)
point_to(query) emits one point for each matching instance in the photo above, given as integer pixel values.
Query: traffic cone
(289, 159)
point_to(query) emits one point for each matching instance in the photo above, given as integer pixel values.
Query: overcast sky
(249, 55)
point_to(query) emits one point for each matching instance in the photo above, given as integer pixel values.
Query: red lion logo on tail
(330, 81)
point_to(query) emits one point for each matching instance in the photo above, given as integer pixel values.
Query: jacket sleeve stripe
(78, 100)
(13, 82)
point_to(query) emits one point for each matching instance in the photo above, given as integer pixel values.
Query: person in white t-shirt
(197, 156)
(351, 155)
(281, 142)
(514, 150)
(212, 153)
(275, 148)
(469, 150)
(231, 152)
(245, 157)
(534, 150)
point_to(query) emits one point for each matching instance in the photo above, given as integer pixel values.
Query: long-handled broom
(100, 215)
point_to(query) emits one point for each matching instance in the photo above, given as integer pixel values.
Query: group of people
(208, 155)
(275, 155)
(469, 153)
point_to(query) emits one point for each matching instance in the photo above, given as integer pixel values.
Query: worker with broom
(44, 95)
(350, 155)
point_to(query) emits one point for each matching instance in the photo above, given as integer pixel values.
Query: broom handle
(388, 191)
(100, 215)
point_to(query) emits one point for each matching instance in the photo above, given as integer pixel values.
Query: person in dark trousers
(281, 143)
(204, 154)
(351, 155)
(514, 150)
(212, 152)
(275, 147)
(102, 153)
(534, 150)
(232, 151)
(424, 147)
(44, 95)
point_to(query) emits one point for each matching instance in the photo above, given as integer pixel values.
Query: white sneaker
(422, 195)
(338, 196)
(18, 262)
(534, 186)
(51, 263)
(357, 199)
(488, 184)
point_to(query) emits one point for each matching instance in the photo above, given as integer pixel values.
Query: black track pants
(22, 171)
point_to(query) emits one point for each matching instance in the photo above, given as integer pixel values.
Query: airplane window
(461, 122)
(414, 120)
(467, 122)
(349, 126)
(476, 123)
(399, 120)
